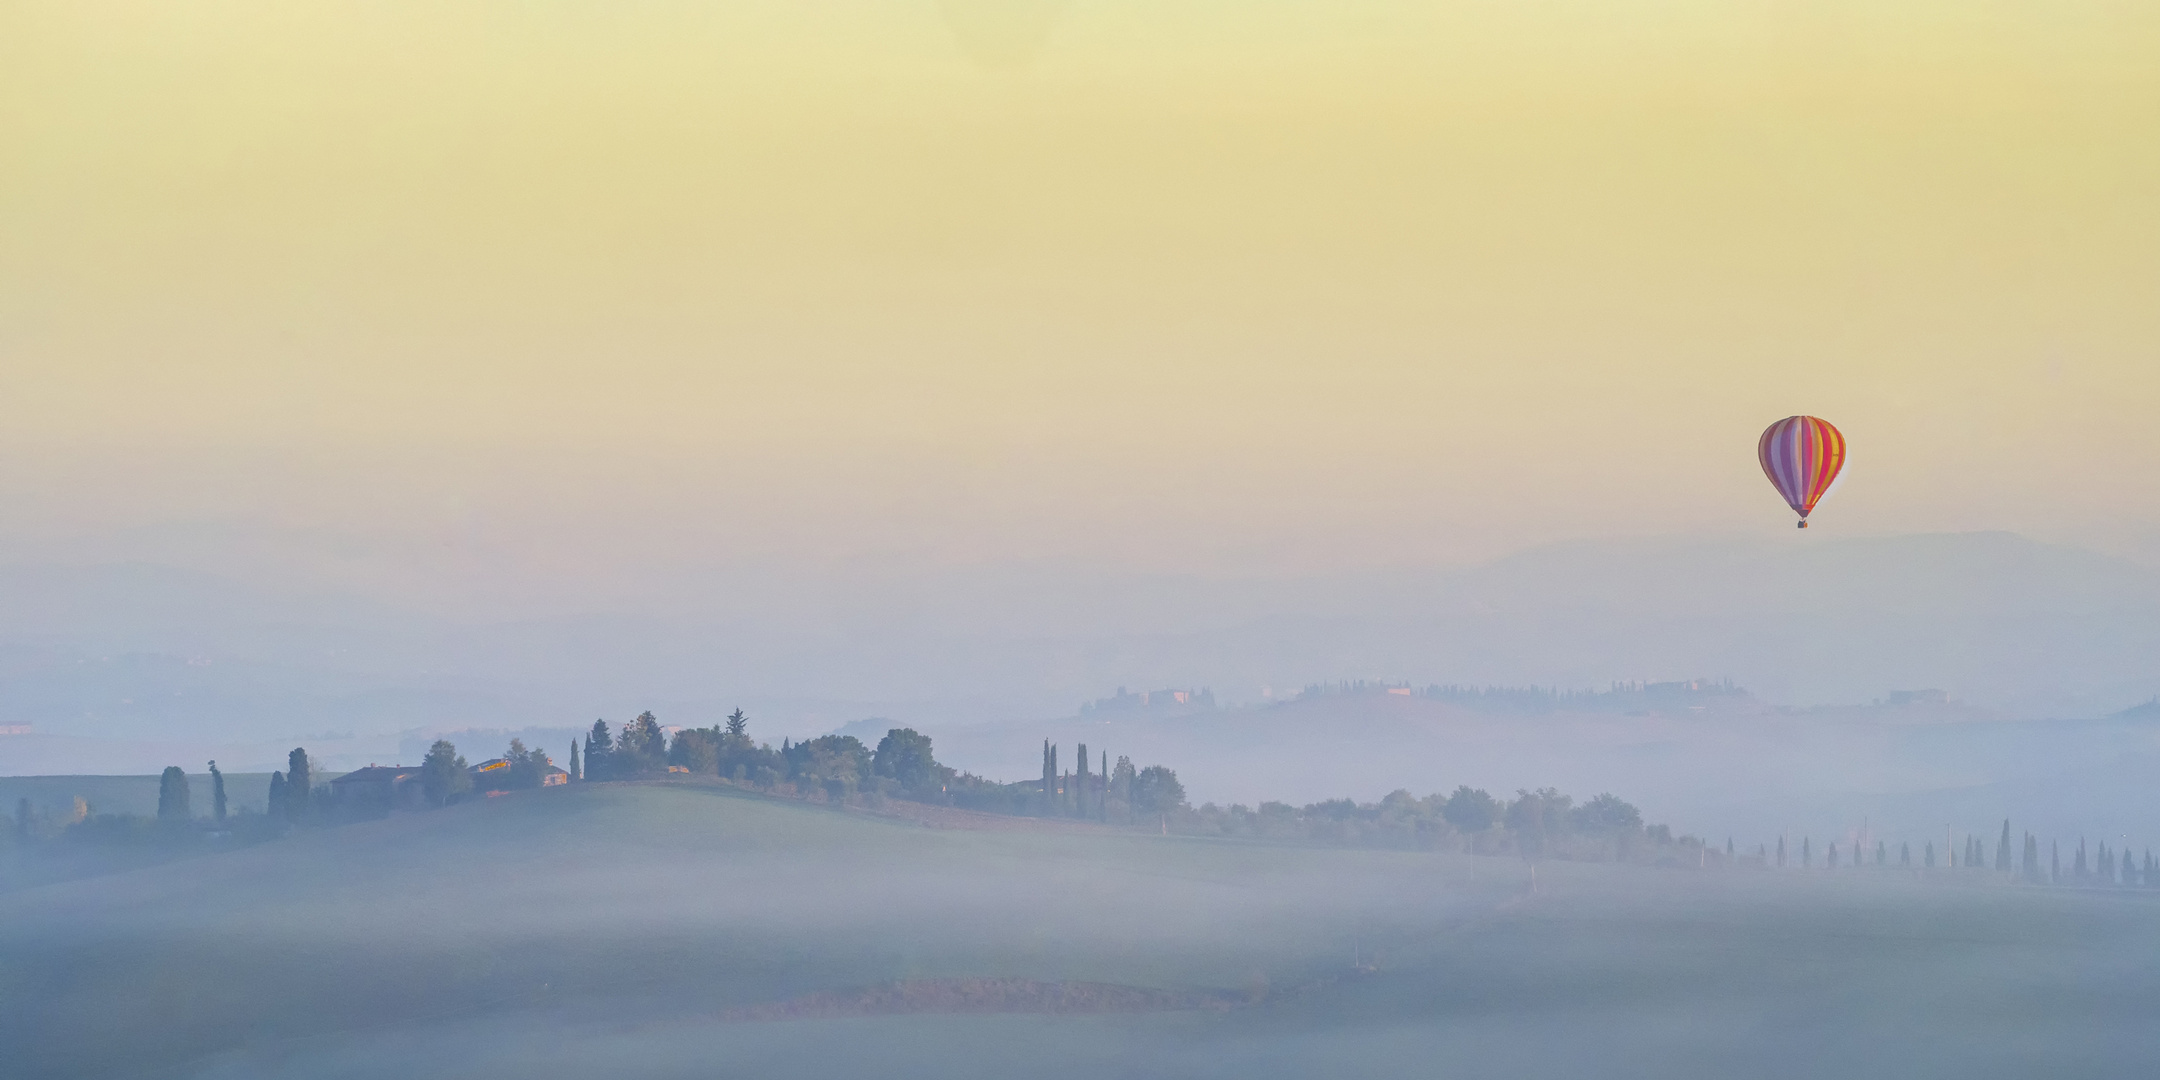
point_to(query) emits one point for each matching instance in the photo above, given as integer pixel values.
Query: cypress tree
(1904, 853)
(297, 796)
(1781, 852)
(2054, 862)
(217, 793)
(2002, 850)
(1080, 782)
(574, 773)
(172, 795)
(2077, 869)
(1832, 856)
(277, 795)
(1930, 855)
(1882, 853)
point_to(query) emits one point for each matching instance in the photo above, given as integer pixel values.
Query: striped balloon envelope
(1801, 455)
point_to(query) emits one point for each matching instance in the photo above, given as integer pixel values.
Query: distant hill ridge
(1621, 697)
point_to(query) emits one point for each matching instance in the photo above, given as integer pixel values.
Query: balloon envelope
(1801, 455)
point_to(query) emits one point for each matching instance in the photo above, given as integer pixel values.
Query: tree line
(840, 769)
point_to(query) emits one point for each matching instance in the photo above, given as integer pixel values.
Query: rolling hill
(635, 930)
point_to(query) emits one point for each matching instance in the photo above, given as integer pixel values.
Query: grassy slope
(596, 932)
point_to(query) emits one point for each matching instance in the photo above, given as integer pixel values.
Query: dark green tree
(276, 808)
(528, 768)
(1049, 778)
(172, 796)
(1079, 781)
(1471, 810)
(1156, 791)
(903, 756)
(1121, 785)
(298, 798)
(834, 764)
(217, 793)
(442, 774)
(1606, 814)
(1904, 853)
(697, 749)
(599, 752)
(2002, 850)
(640, 748)
(738, 724)
(575, 774)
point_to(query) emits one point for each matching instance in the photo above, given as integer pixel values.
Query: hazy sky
(403, 292)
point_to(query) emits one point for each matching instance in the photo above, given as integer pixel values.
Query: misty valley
(1305, 540)
(694, 902)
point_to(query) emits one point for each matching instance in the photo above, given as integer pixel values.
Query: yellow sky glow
(1305, 284)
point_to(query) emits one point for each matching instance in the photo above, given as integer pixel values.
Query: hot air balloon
(1801, 455)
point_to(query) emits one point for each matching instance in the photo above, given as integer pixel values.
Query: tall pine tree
(598, 745)
(217, 793)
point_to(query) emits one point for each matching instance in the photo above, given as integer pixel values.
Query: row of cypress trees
(2105, 866)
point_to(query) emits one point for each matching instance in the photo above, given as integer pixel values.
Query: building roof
(378, 774)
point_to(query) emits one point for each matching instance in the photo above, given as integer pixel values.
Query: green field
(621, 930)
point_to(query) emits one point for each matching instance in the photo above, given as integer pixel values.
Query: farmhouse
(396, 787)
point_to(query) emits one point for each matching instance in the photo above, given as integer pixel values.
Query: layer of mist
(624, 930)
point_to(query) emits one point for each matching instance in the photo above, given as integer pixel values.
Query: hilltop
(214, 667)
